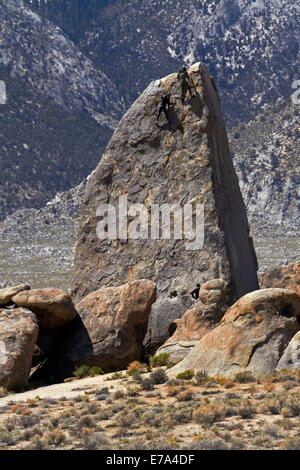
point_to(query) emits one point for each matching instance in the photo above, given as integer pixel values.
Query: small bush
(186, 375)
(3, 392)
(118, 394)
(96, 441)
(185, 396)
(55, 437)
(96, 371)
(81, 371)
(201, 377)
(6, 437)
(160, 360)
(292, 444)
(244, 377)
(86, 422)
(158, 377)
(147, 384)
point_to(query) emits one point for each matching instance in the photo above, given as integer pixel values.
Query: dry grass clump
(55, 437)
(209, 414)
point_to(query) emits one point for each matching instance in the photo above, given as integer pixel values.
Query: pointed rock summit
(148, 170)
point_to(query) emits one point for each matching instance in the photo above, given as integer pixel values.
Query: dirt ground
(139, 409)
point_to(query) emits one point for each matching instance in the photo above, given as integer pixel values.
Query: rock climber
(184, 78)
(164, 104)
(195, 293)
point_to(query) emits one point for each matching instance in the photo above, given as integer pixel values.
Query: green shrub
(81, 371)
(186, 375)
(160, 360)
(96, 371)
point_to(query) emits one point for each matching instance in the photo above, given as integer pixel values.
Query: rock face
(285, 277)
(108, 332)
(183, 161)
(53, 307)
(252, 335)
(18, 334)
(212, 291)
(195, 323)
(116, 319)
(291, 356)
(7, 293)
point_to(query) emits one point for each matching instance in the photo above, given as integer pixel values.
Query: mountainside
(266, 158)
(58, 112)
(250, 46)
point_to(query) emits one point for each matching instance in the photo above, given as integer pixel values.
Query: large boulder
(53, 307)
(18, 334)
(7, 293)
(172, 165)
(252, 336)
(285, 277)
(108, 332)
(117, 319)
(291, 356)
(188, 330)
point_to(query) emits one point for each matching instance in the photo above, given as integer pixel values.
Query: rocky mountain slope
(266, 158)
(250, 46)
(58, 112)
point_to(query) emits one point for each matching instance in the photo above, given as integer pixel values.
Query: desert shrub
(158, 377)
(96, 371)
(246, 410)
(102, 394)
(147, 384)
(96, 441)
(244, 377)
(186, 375)
(92, 408)
(6, 437)
(181, 416)
(55, 437)
(136, 366)
(185, 396)
(273, 406)
(209, 414)
(285, 424)
(160, 360)
(118, 394)
(201, 377)
(271, 430)
(292, 404)
(81, 371)
(173, 391)
(292, 444)
(3, 392)
(86, 421)
(28, 421)
(210, 444)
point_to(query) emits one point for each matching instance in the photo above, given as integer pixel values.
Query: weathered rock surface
(252, 335)
(291, 356)
(108, 332)
(7, 293)
(212, 291)
(116, 319)
(185, 160)
(18, 334)
(53, 307)
(195, 323)
(285, 277)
